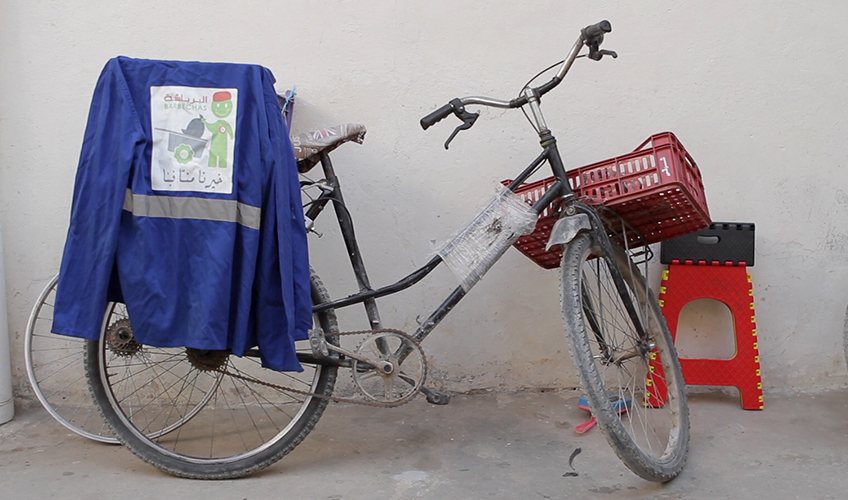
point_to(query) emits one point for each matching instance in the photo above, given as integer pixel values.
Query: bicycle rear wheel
(241, 421)
(634, 384)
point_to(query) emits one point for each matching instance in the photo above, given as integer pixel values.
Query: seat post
(349, 237)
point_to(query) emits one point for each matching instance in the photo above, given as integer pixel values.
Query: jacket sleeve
(284, 299)
(113, 139)
(300, 251)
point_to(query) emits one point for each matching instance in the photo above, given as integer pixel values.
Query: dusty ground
(483, 446)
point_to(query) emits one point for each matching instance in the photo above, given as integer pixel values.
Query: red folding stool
(712, 264)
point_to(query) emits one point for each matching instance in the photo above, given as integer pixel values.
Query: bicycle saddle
(309, 146)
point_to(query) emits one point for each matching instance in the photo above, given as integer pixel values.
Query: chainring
(397, 370)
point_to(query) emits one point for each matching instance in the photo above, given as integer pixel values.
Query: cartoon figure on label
(222, 131)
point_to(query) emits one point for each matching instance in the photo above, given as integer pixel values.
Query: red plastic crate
(656, 189)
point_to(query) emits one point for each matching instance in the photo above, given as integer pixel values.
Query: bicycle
(617, 336)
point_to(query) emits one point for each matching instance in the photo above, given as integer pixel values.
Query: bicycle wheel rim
(243, 427)
(136, 416)
(54, 365)
(634, 386)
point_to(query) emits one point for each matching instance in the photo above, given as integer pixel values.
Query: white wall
(755, 90)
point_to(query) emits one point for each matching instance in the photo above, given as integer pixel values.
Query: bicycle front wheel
(632, 381)
(226, 415)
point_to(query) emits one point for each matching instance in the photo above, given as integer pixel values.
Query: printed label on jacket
(194, 134)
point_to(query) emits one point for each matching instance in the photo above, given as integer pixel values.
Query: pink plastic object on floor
(620, 405)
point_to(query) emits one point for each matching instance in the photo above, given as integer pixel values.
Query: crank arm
(382, 366)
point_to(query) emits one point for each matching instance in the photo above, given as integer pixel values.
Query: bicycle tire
(230, 436)
(54, 365)
(635, 388)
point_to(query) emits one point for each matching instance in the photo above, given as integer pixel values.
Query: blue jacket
(187, 208)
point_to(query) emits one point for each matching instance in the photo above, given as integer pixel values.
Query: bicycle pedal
(318, 343)
(436, 397)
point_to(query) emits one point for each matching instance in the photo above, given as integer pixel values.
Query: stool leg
(731, 285)
(657, 388)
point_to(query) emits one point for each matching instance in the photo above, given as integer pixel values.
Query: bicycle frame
(559, 191)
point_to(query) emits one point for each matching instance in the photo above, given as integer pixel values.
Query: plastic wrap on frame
(489, 235)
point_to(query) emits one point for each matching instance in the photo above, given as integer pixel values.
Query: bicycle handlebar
(597, 30)
(591, 36)
(437, 116)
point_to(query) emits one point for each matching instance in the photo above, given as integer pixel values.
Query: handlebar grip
(598, 29)
(436, 116)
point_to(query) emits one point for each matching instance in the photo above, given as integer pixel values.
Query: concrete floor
(481, 446)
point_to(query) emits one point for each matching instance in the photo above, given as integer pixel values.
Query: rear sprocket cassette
(120, 338)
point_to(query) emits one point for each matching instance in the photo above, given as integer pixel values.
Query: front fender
(567, 228)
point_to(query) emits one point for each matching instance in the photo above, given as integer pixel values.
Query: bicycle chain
(337, 399)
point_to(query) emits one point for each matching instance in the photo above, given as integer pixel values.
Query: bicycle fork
(578, 218)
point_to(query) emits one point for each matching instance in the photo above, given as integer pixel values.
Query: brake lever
(468, 120)
(596, 54)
